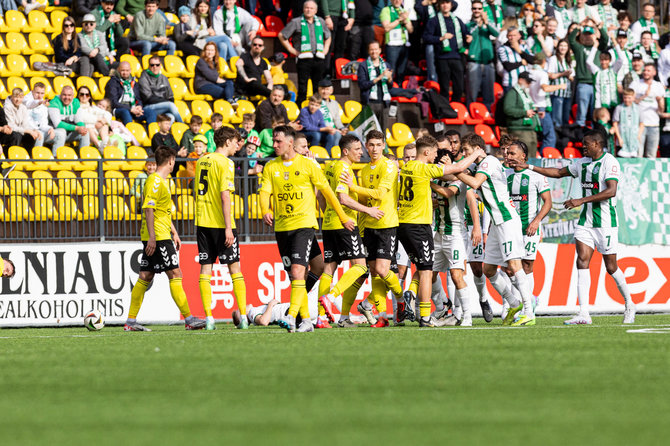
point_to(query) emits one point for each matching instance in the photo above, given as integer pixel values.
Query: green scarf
(610, 138)
(128, 93)
(629, 124)
(652, 51)
(110, 31)
(96, 39)
(651, 27)
(150, 73)
(346, 6)
(498, 18)
(372, 75)
(398, 35)
(431, 11)
(446, 44)
(608, 16)
(305, 44)
(238, 27)
(565, 16)
(528, 105)
(607, 92)
(523, 28)
(537, 45)
(326, 114)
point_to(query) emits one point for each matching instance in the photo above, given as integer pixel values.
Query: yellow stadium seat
(229, 71)
(205, 128)
(190, 65)
(44, 183)
(174, 67)
(103, 84)
(139, 133)
(114, 153)
(145, 61)
(60, 82)
(3, 48)
(40, 58)
(91, 154)
(68, 184)
(57, 18)
(153, 129)
(292, 110)
(89, 183)
(19, 184)
(191, 95)
(237, 206)
(48, 91)
(116, 183)
(178, 129)
(401, 135)
(135, 67)
(136, 158)
(17, 66)
(225, 109)
(254, 206)
(320, 152)
(17, 82)
(90, 209)
(39, 21)
(67, 208)
(4, 216)
(336, 152)
(16, 43)
(18, 209)
(15, 21)
(3, 91)
(243, 107)
(184, 111)
(39, 43)
(88, 82)
(44, 208)
(185, 207)
(19, 153)
(351, 109)
(42, 153)
(202, 109)
(179, 88)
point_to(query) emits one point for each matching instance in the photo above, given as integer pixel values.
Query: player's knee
(490, 270)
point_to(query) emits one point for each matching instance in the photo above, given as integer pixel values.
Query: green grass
(547, 384)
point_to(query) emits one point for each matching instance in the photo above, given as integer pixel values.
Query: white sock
(622, 285)
(344, 317)
(463, 296)
(451, 288)
(209, 318)
(503, 286)
(520, 281)
(130, 321)
(402, 284)
(480, 284)
(436, 295)
(583, 287)
(394, 302)
(530, 278)
(367, 305)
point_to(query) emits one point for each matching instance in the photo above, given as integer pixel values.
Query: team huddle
(426, 213)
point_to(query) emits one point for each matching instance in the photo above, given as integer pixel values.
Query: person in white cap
(97, 56)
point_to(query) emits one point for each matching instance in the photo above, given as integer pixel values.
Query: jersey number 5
(406, 193)
(204, 184)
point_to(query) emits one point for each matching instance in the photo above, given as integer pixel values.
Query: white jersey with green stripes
(494, 191)
(525, 188)
(449, 214)
(594, 174)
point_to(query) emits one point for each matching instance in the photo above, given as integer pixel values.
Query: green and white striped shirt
(594, 174)
(449, 214)
(494, 191)
(525, 188)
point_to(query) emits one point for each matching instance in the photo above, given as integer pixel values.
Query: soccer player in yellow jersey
(290, 180)
(340, 244)
(415, 214)
(215, 226)
(161, 243)
(7, 268)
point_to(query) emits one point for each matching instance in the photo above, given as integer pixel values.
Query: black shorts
(297, 246)
(164, 258)
(212, 244)
(316, 249)
(418, 242)
(340, 245)
(380, 243)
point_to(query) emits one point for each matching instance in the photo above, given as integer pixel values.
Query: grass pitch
(487, 385)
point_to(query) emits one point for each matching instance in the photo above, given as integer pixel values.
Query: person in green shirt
(481, 73)
(522, 120)
(109, 22)
(217, 123)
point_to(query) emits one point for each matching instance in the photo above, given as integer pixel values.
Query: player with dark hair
(597, 228)
(161, 243)
(215, 226)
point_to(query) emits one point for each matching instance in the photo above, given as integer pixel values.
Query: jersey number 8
(406, 193)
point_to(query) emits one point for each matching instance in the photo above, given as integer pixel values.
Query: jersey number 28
(406, 193)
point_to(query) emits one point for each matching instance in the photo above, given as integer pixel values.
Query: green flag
(364, 122)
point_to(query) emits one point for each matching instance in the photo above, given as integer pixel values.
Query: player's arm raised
(551, 172)
(375, 194)
(609, 192)
(471, 201)
(544, 210)
(446, 192)
(464, 163)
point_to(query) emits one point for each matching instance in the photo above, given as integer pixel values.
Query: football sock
(464, 296)
(206, 293)
(379, 293)
(324, 289)
(622, 285)
(304, 307)
(393, 284)
(414, 286)
(179, 296)
(240, 290)
(136, 298)
(348, 278)
(311, 281)
(451, 288)
(521, 284)
(583, 287)
(298, 291)
(348, 298)
(500, 284)
(480, 284)
(424, 309)
(530, 278)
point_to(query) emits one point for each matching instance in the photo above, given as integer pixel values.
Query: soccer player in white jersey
(270, 314)
(527, 189)
(504, 246)
(597, 228)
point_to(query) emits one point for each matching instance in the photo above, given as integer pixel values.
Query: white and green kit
(525, 188)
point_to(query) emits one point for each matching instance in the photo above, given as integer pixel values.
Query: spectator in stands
(581, 11)
(96, 118)
(193, 129)
(277, 61)
(18, 119)
(201, 20)
(236, 24)
(426, 10)
(481, 74)
(82, 7)
(650, 97)
(494, 13)
(266, 146)
(130, 8)
(514, 57)
(522, 119)
(607, 14)
(339, 17)
(163, 137)
(67, 48)
(272, 108)
(646, 23)
(8, 5)
(309, 42)
(37, 107)
(62, 112)
(374, 79)
(664, 65)
(184, 35)
(581, 48)
(361, 34)
(199, 149)
(540, 41)
(248, 122)
(526, 20)
(96, 55)
(449, 35)
(109, 23)
(563, 16)
(8, 137)
(332, 112)
(649, 48)
(251, 68)
(147, 33)
(216, 122)
(313, 125)
(539, 91)
(156, 91)
(397, 27)
(124, 95)
(625, 21)
(561, 72)
(207, 75)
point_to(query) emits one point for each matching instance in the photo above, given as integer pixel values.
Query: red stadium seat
(479, 113)
(262, 32)
(339, 64)
(551, 152)
(401, 99)
(571, 152)
(273, 25)
(428, 85)
(462, 114)
(485, 132)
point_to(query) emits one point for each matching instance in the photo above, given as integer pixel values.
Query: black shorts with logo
(380, 243)
(164, 258)
(418, 242)
(340, 245)
(297, 246)
(212, 244)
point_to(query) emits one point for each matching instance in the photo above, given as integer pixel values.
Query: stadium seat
(178, 129)
(243, 107)
(116, 183)
(401, 135)
(40, 58)
(135, 66)
(88, 153)
(60, 82)
(39, 21)
(57, 18)
(237, 206)
(116, 208)
(340, 62)
(254, 204)
(486, 133)
(16, 43)
(174, 67)
(185, 207)
(85, 81)
(432, 85)
(19, 184)
(39, 44)
(68, 184)
(18, 66)
(320, 152)
(42, 153)
(15, 21)
(229, 70)
(479, 114)
(3, 91)
(90, 209)
(89, 183)
(17, 82)
(145, 61)
(44, 208)
(44, 184)
(352, 109)
(202, 109)
(190, 65)
(19, 153)
(225, 109)
(572, 152)
(462, 114)
(139, 133)
(48, 91)
(103, 84)
(18, 209)
(497, 91)
(336, 152)
(273, 25)
(179, 88)
(184, 111)
(152, 129)
(67, 208)
(136, 158)
(113, 153)
(292, 110)
(551, 152)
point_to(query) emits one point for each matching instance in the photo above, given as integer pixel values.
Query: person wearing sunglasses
(156, 91)
(67, 47)
(96, 55)
(96, 118)
(251, 68)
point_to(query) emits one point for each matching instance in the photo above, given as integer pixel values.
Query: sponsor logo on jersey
(286, 175)
(290, 196)
(519, 197)
(288, 187)
(590, 185)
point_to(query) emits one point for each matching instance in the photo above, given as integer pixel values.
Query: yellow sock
(379, 293)
(414, 286)
(324, 288)
(424, 309)
(304, 307)
(298, 291)
(136, 297)
(349, 297)
(179, 296)
(348, 278)
(393, 284)
(240, 290)
(206, 293)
